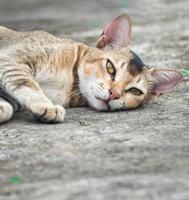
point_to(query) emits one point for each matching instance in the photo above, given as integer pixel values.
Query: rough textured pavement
(137, 155)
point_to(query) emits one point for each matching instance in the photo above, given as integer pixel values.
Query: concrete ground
(136, 155)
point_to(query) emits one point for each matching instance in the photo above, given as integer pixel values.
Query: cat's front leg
(29, 95)
(19, 84)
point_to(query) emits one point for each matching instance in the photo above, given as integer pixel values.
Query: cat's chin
(99, 104)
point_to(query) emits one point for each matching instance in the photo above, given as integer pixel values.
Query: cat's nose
(113, 95)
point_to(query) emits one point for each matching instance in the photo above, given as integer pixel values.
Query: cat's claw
(47, 113)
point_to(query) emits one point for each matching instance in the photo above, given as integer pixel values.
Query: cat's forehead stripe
(139, 79)
(96, 60)
(123, 64)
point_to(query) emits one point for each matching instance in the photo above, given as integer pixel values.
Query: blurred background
(160, 27)
(141, 155)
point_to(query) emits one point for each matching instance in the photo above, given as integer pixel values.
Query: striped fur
(31, 59)
(45, 74)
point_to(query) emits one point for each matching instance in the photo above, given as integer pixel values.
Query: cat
(46, 74)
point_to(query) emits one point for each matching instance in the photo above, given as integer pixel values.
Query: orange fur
(44, 74)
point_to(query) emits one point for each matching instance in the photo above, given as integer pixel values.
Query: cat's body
(33, 58)
(44, 74)
(52, 62)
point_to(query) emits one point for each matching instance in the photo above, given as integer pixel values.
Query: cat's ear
(116, 34)
(162, 80)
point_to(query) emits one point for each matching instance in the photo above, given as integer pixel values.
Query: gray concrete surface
(136, 155)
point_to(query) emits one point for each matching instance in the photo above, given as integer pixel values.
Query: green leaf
(184, 72)
(15, 180)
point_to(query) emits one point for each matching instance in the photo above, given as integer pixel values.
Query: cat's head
(113, 77)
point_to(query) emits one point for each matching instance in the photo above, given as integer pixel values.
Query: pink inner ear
(116, 34)
(165, 80)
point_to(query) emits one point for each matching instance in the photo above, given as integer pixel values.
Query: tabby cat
(45, 74)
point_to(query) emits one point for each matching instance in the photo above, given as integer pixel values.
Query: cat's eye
(135, 91)
(110, 68)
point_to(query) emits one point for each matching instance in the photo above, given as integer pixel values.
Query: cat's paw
(6, 111)
(47, 113)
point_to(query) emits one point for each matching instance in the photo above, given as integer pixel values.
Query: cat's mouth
(103, 104)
